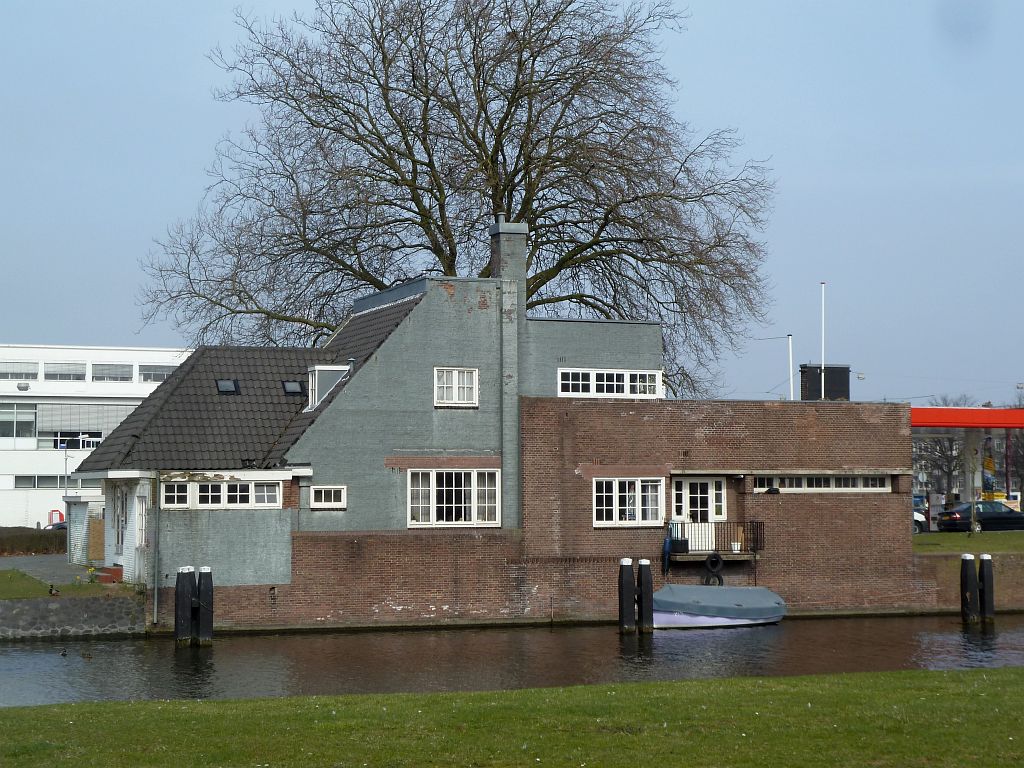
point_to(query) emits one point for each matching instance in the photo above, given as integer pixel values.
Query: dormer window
(322, 379)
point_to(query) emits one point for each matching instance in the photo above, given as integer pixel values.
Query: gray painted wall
(553, 344)
(387, 408)
(242, 546)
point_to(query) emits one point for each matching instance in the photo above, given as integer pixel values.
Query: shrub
(29, 541)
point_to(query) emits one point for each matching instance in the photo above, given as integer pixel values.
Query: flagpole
(822, 339)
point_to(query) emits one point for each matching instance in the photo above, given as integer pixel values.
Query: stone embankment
(71, 617)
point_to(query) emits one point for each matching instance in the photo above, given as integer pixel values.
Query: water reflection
(248, 666)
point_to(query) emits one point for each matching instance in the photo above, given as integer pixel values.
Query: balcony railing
(746, 538)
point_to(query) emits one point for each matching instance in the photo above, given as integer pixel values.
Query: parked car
(989, 516)
(56, 527)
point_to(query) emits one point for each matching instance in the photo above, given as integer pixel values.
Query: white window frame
(334, 490)
(313, 388)
(842, 483)
(636, 384)
(267, 484)
(463, 395)
(620, 515)
(718, 498)
(475, 503)
(164, 504)
(245, 487)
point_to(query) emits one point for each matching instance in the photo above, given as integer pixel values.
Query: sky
(892, 131)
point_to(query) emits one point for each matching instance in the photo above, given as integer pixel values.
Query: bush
(31, 541)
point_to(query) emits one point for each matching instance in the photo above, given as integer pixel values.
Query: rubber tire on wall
(714, 563)
(712, 579)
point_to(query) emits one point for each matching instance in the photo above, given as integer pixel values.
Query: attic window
(322, 379)
(228, 386)
(293, 387)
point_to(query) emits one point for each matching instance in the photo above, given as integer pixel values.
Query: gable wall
(386, 413)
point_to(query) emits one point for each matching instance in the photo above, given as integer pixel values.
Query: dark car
(56, 527)
(989, 516)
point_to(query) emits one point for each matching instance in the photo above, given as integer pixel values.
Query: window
(64, 371)
(227, 386)
(155, 372)
(293, 388)
(824, 483)
(265, 494)
(70, 441)
(700, 499)
(210, 494)
(17, 370)
(628, 501)
(583, 382)
(175, 495)
(454, 497)
(112, 372)
(322, 379)
(329, 497)
(17, 420)
(238, 493)
(46, 481)
(455, 386)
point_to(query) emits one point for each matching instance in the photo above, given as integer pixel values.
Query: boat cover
(731, 602)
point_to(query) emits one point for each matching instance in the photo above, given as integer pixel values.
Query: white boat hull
(664, 620)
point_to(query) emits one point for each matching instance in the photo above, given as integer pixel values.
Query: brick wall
(823, 551)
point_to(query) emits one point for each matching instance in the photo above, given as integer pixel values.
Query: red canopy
(978, 418)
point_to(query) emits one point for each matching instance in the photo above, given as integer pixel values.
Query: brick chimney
(508, 265)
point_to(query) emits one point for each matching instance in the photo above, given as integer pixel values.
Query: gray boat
(682, 606)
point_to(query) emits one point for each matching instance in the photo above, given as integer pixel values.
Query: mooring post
(205, 634)
(645, 597)
(184, 591)
(627, 596)
(986, 588)
(969, 598)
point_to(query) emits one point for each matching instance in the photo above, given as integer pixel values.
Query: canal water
(244, 666)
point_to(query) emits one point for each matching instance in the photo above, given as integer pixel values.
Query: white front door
(700, 503)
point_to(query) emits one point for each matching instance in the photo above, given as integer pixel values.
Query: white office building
(56, 405)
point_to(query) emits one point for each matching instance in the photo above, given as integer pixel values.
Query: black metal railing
(724, 537)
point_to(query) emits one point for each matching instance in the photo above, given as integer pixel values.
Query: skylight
(292, 387)
(228, 386)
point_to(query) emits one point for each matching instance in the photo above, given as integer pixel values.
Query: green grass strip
(905, 719)
(992, 542)
(15, 585)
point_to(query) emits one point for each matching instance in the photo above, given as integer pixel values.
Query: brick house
(444, 458)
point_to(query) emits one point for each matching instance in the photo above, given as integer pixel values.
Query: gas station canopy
(977, 418)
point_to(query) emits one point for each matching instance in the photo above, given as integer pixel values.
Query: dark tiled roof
(357, 340)
(186, 424)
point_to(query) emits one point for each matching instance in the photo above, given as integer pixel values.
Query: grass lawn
(15, 585)
(990, 542)
(915, 718)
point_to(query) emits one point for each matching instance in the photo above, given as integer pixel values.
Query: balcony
(731, 540)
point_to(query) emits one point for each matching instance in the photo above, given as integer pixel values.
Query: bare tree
(394, 131)
(941, 456)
